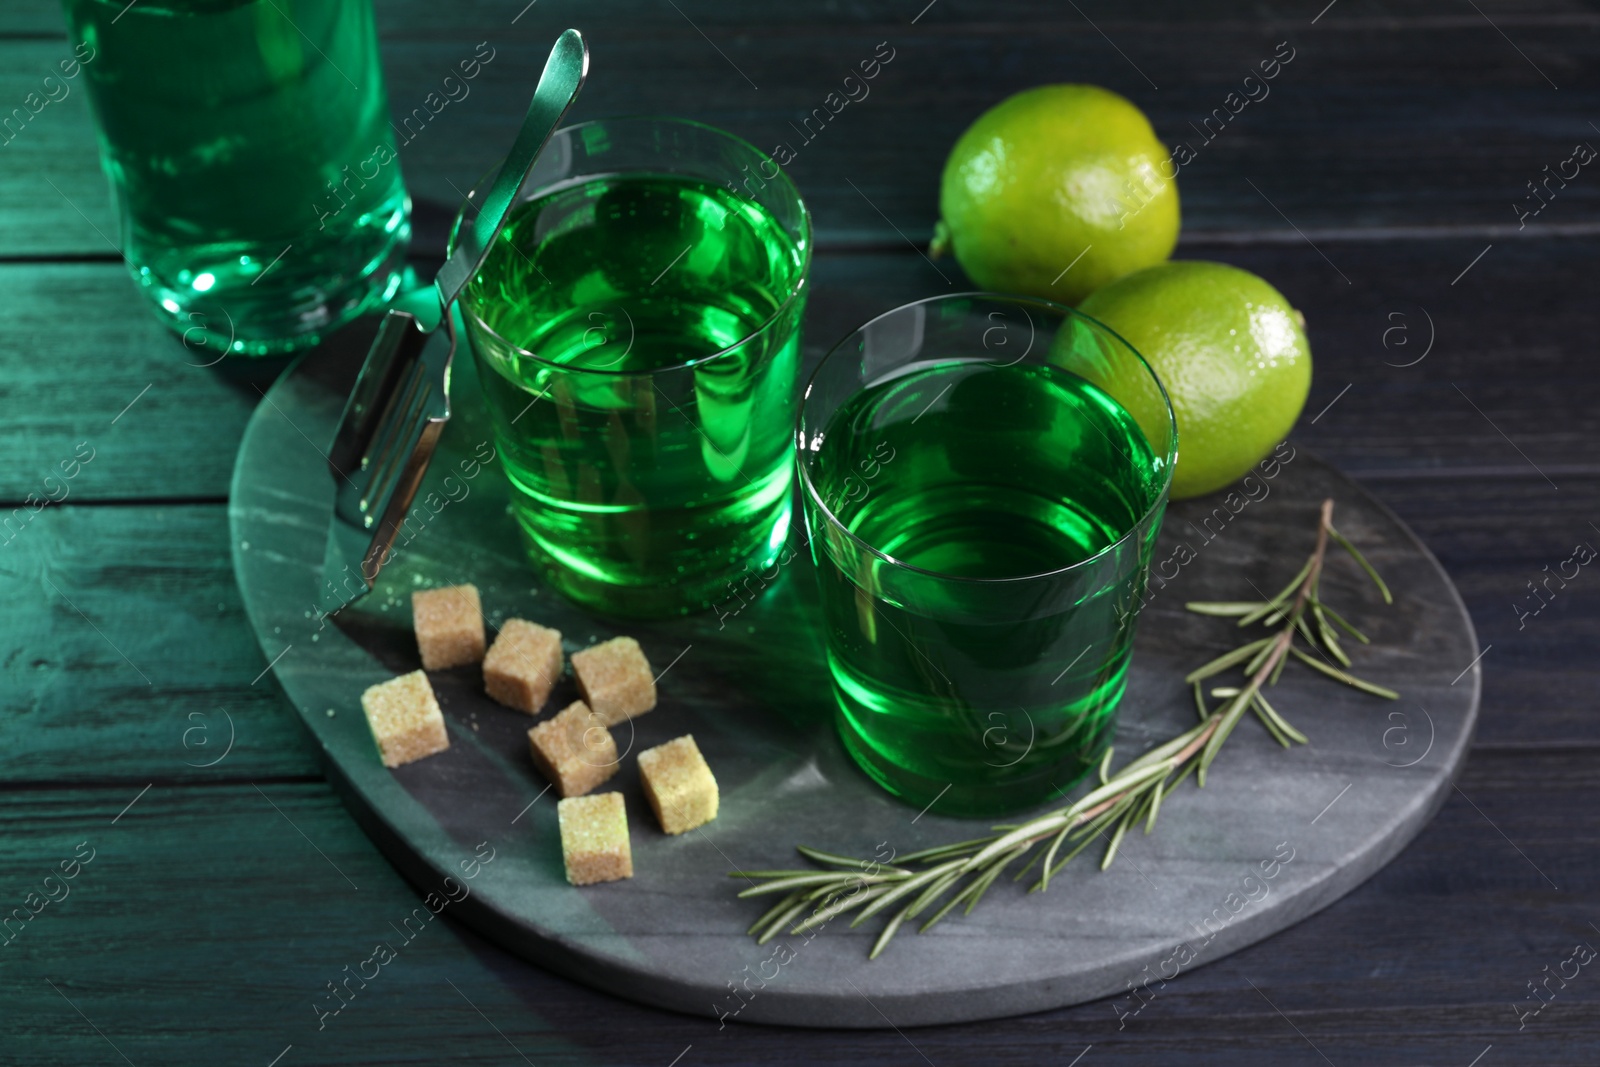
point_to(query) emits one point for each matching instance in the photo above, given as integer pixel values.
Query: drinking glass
(248, 147)
(636, 329)
(983, 479)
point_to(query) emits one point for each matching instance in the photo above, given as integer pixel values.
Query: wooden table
(1375, 186)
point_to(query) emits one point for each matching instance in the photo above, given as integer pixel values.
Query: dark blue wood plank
(1355, 133)
(215, 920)
(1504, 386)
(145, 574)
(126, 655)
(210, 919)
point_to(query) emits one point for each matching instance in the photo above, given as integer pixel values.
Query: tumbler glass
(983, 478)
(250, 154)
(636, 328)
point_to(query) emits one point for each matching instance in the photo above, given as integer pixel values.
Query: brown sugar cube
(522, 665)
(574, 750)
(594, 839)
(405, 719)
(614, 679)
(679, 784)
(449, 625)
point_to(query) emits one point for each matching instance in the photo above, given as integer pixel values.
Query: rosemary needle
(1134, 794)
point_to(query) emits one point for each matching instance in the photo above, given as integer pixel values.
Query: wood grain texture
(150, 577)
(399, 18)
(126, 655)
(1495, 393)
(1356, 135)
(85, 369)
(1412, 122)
(208, 923)
(1494, 521)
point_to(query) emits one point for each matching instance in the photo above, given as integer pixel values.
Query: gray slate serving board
(753, 689)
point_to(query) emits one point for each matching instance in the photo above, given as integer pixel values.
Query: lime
(1231, 352)
(1057, 191)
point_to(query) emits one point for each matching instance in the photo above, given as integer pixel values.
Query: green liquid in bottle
(984, 695)
(648, 437)
(249, 147)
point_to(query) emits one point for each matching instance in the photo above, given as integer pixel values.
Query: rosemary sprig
(959, 874)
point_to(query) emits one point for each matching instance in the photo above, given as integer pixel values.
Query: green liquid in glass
(985, 695)
(642, 484)
(249, 146)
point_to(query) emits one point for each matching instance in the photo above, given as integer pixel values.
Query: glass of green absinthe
(636, 328)
(983, 477)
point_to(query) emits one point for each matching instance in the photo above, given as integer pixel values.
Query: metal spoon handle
(563, 77)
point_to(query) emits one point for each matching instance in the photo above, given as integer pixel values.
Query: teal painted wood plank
(216, 921)
(77, 347)
(125, 654)
(401, 17)
(87, 371)
(209, 920)
(1491, 516)
(1354, 133)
